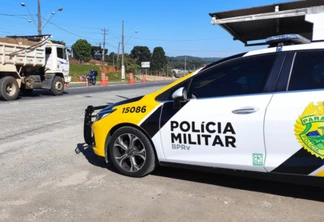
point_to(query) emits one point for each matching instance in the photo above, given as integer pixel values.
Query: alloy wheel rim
(129, 152)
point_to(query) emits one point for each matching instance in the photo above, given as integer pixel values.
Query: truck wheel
(9, 89)
(57, 86)
(131, 152)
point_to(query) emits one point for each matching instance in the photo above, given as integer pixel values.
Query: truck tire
(57, 86)
(9, 89)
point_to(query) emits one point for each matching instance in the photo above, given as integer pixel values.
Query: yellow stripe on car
(130, 113)
(320, 174)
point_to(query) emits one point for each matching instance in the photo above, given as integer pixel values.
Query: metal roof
(258, 23)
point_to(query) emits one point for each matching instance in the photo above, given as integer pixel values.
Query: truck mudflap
(89, 118)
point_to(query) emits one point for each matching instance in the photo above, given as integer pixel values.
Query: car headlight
(103, 113)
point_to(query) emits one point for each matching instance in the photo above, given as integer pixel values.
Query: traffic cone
(65, 86)
(144, 78)
(103, 80)
(80, 79)
(86, 83)
(131, 78)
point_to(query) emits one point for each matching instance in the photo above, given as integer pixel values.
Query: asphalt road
(43, 179)
(79, 88)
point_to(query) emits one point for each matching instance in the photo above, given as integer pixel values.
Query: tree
(112, 59)
(130, 64)
(96, 52)
(159, 60)
(82, 50)
(140, 54)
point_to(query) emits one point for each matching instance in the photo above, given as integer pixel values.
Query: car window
(308, 71)
(241, 76)
(48, 51)
(60, 53)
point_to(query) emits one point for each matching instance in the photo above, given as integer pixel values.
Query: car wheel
(9, 89)
(131, 152)
(57, 86)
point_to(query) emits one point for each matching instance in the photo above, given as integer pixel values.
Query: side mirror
(179, 96)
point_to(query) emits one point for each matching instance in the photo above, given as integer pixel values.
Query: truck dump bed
(23, 50)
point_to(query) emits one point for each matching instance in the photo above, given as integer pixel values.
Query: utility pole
(123, 47)
(118, 52)
(39, 19)
(185, 64)
(104, 43)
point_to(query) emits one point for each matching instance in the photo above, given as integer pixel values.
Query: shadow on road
(244, 183)
(38, 93)
(92, 158)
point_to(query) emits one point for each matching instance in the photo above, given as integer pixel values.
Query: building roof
(258, 23)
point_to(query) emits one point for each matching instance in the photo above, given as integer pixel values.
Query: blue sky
(181, 27)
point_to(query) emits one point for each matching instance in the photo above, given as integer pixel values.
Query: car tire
(131, 152)
(9, 89)
(57, 86)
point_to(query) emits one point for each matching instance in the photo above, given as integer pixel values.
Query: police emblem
(309, 129)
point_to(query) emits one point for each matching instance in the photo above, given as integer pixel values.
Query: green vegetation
(192, 62)
(160, 64)
(159, 60)
(77, 70)
(82, 50)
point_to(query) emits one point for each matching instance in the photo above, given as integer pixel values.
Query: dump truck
(32, 62)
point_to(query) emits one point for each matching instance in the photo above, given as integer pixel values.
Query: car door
(294, 124)
(221, 124)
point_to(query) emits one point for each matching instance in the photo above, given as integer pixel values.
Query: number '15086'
(134, 109)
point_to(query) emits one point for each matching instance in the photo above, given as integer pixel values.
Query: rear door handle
(245, 110)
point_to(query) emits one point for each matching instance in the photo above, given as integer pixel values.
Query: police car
(260, 111)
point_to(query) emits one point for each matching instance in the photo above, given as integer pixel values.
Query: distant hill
(191, 62)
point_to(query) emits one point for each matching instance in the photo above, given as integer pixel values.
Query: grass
(77, 70)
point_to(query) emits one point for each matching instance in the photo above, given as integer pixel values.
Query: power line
(181, 40)
(72, 32)
(14, 15)
(112, 36)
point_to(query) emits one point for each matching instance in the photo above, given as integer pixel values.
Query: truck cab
(57, 60)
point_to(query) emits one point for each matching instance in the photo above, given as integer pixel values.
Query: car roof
(286, 48)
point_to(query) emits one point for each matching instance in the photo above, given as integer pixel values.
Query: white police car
(260, 111)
